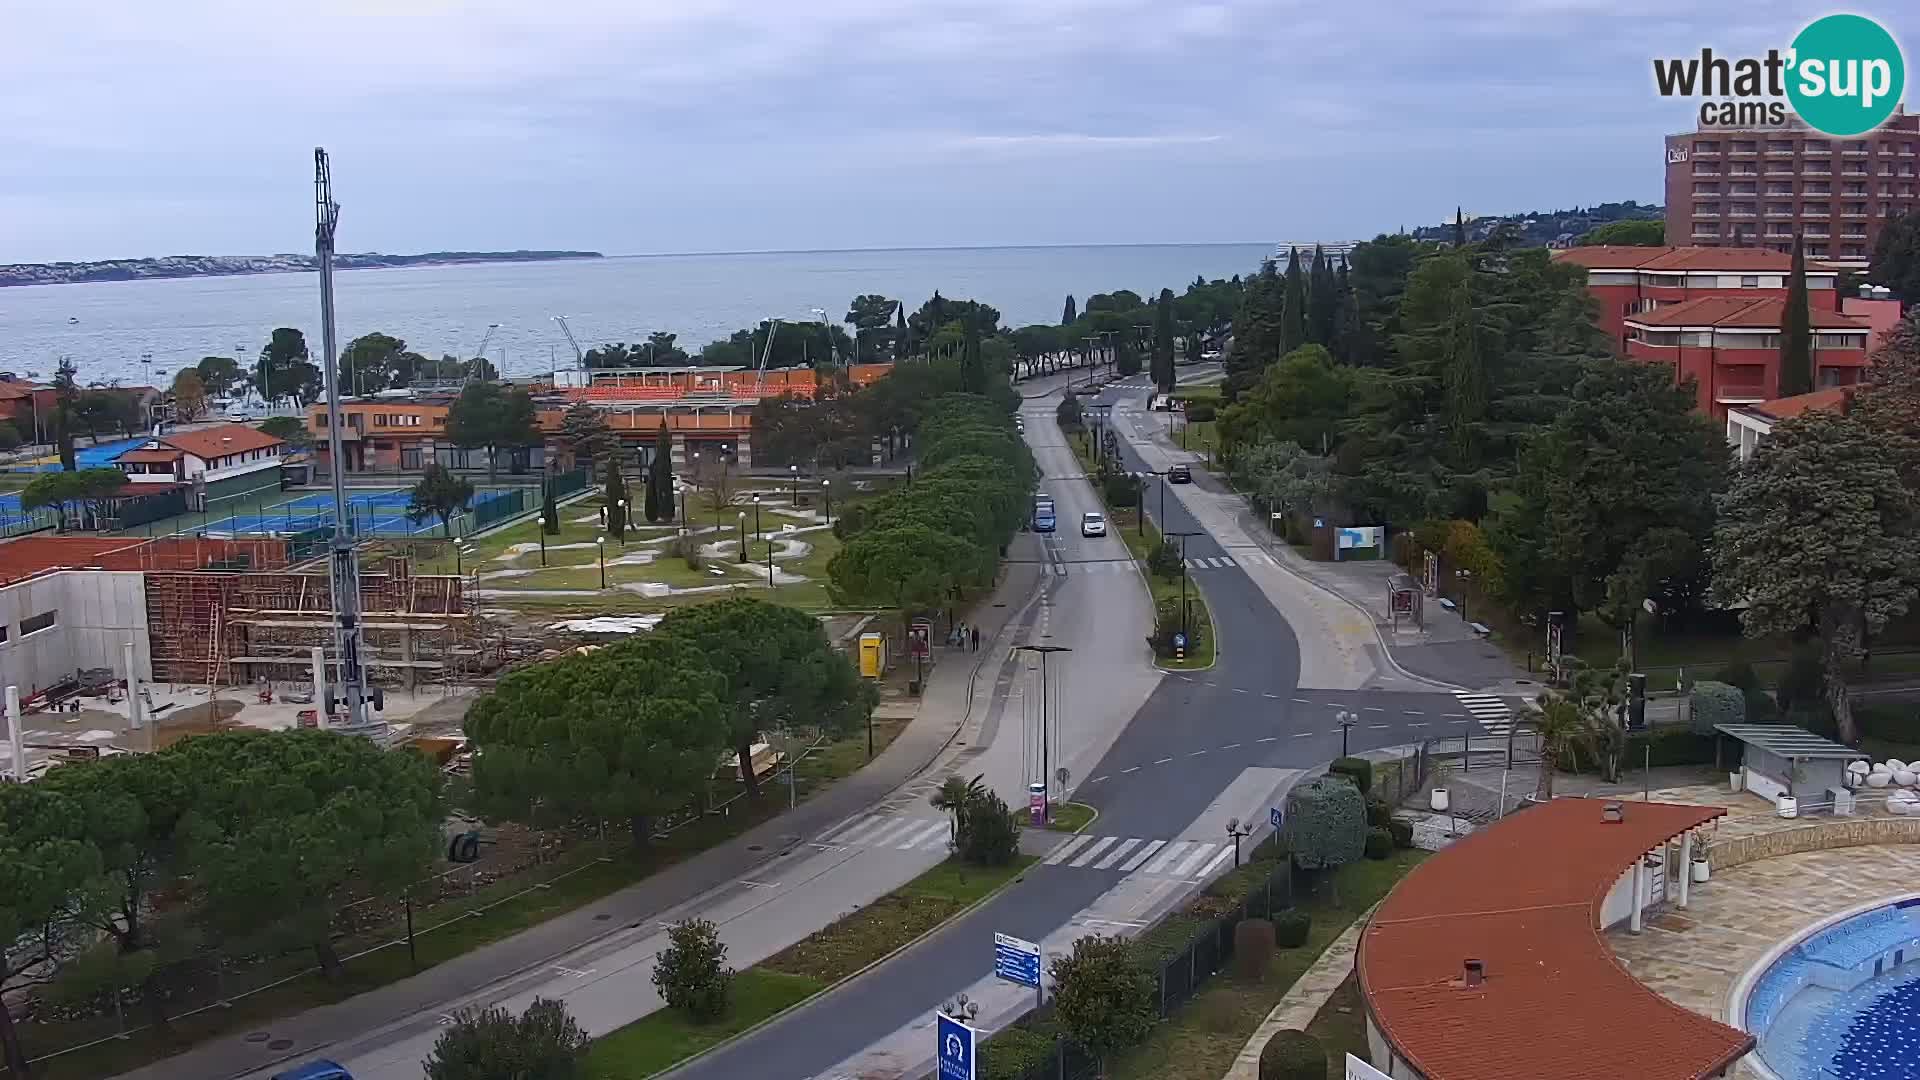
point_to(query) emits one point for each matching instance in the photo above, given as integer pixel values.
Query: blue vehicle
(1043, 517)
(316, 1070)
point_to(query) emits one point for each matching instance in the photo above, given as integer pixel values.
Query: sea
(143, 331)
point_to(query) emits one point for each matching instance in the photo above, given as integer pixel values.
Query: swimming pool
(1843, 1001)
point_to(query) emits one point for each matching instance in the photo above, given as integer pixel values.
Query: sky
(131, 128)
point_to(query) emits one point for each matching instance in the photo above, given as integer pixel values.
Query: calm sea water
(106, 327)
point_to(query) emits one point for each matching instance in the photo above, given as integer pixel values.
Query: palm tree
(1564, 731)
(953, 797)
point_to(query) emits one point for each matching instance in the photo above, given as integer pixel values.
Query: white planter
(1440, 799)
(1735, 780)
(1699, 871)
(1787, 806)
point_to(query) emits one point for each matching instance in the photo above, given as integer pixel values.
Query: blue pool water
(1844, 1002)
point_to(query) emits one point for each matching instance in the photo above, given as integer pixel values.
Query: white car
(1093, 523)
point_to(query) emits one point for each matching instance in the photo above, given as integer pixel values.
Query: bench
(1448, 604)
(1479, 628)
(765, 761)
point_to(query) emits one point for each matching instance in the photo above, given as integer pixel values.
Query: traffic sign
(956, 1049)
(1273, 817)
(1179, 640)
(1360, 1070)
(1016, 960)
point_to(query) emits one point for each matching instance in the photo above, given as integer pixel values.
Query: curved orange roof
(1523, 896)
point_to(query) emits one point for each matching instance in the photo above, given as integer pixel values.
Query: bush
(1358, 769)
(1253, 942)
(1402, 833)
(1293, 1055)
(1015, 1052)
(1068, 415)
(1200, 412)
(1715, 703)
(484, 1043)
(1326, 823)
(1102, 995)
(1290, 928)
(988, 834)
(691, 973)
(1120, 490)
(1166, 623)
(1164, 560)
(1379, 814)
(1379, 842)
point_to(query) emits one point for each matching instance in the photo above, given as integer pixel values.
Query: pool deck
(1694, 957)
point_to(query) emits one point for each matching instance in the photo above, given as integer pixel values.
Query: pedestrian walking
(976, 639)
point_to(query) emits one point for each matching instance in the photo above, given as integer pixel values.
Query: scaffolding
(236, 628)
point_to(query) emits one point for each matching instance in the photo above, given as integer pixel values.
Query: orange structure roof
(214, 442)
(1763, 313)
(1523, 896)
(1675, 260)
(1832, 399)
(30, 555)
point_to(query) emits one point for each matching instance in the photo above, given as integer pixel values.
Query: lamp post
(793, 485)
(459, 570)
(622, 534)
(680, 496)
(1140, 502)
(600, 542)
(756, 532)
(1238, 832)
(743, 536)
(1183, 576)
(826, 496)
(1346, 720)
(1465, 576)
(1046, 762)
(543, 540)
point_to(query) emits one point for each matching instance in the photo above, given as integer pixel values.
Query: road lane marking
(1060, 854)
(1175, 852)
(1096, 779)
(1275, 697)
(892, 833)
(1301, 734)
(1230, 746)
(1086, 856)
(1237, 690)
(1117, 854)
(1163, 761)
(924, 835)
(1143, 855)
(1412, 712)
(1418, 723)
(1302, 701)
(1378, 727)
(1271, 738)
(1196, 753)
(854, 832)
(1134, 769)
(1371, 708)
(1193, 860)
(1225, 853)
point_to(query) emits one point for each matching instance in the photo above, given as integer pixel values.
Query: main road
(1203, 746)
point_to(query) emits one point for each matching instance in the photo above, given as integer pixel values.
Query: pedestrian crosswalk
(1189, 859)
(1126, 566)
(1492, 712)
(1131, 854)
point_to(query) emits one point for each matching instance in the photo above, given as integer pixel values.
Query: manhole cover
(257, 1036)
(754, 847)
(602, 918)
(280, 1044)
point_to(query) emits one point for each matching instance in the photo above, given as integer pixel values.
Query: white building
(1749, 425)
(219, 462)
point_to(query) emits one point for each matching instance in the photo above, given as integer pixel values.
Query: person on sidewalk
(976, 638)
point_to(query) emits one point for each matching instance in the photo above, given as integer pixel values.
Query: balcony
(1855, 151)
(1701, 151)
(1820, 235)
(1706, 213)
(1779, 213)
(1780, 151)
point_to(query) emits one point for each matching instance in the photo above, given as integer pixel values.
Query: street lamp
(543, 540)
(793, 485)
(1184, 636)
(621, 533)
(743, 536)
(756, 532)
(1046, 764)
(1140, 502)
(680, 495)
(826, 495)
(1465, 576)
(601, 543)
(1346, 720)
(1238, 832)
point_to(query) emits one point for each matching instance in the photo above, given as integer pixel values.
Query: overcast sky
(142, 128)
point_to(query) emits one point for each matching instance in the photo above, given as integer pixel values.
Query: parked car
(316, 1070)
(1180, 474)
(1093, 523)
(1043, 518)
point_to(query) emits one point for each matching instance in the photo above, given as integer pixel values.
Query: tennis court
(369, 513)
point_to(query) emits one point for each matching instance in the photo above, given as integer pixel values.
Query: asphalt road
(1195, 735)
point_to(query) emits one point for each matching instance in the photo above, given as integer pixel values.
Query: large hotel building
(1761, 188)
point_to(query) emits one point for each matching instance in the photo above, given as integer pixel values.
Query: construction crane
(766, 354)
(344, 564)
(578, 356)
(479, 355)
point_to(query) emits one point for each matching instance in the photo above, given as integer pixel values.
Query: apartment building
(1749, 425)
(1730, 347)
(1629, 281)
(1760, 188)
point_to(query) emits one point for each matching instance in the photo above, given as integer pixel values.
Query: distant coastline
(184, 266)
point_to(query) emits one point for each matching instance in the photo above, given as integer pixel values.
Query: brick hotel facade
(1760, 188)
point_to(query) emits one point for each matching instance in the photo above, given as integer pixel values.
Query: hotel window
(410, 458)
(33, 624)
(1840, 341)
(379, 419)
(1749, 281)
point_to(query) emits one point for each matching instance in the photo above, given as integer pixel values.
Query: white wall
(1618, 905)
(98, 612)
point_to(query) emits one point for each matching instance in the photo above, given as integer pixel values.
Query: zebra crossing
(1126, 566)
(1130, 854)
(1492, 712)
(899, 832)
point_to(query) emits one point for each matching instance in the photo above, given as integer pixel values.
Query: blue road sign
(1273, 817)
(956, 1049)
(1179, 640)
(1016, 960)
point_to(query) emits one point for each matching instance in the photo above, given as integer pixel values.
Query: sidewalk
(955, 693)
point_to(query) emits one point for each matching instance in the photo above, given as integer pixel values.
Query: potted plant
(1701, 867)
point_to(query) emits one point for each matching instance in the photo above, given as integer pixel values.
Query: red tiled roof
(157, 456)
(17, 389)
(1739, 311)
(1786, 408)
(1523, 896)
(1676, 259)
(213, 442)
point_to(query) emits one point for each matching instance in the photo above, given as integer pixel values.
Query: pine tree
(660, 476)
(1323, 300)
(1293, 323)
(1465, 378)
(1796, 333)
(1163, 342)
(616, 494)
(1256, 331)
(1067, 316)
(973, 375)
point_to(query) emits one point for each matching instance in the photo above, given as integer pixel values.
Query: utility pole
(1046, 757)
(344, 566)
(1185, 633)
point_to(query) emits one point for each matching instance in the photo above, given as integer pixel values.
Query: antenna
(344, 564)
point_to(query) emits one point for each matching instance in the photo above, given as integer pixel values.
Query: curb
(843, 980)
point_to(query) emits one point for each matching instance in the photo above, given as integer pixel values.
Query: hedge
(1358, 768)
(1715, 703)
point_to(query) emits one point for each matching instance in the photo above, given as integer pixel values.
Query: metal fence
(1179, 976)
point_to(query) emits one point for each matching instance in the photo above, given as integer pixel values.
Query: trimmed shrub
(1166, 623)
(1014, 1053)
(1200, 412)
(1402, 833)
(1290, 928)
(1120, 490)
(1253, 942)
(1379, 814)
(1358, 769)
(1715, 703)
(1379, 843)
(1326, 823)
(1067, 415)
(1164, 561)
(1293, 1055)
(691, 973)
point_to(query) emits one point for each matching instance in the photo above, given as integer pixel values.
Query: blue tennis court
(84, 457)
(370, 513)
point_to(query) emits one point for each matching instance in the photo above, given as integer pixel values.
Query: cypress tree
(660, 476)
(1323, 300)
(1293, 311)
(1163, 342)
(1067, 316)
(973, 375)
(902, 343)
(1796, 333)
(1459, 228)
(616, 492)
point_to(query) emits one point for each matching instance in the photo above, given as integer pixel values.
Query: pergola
(1785, 757)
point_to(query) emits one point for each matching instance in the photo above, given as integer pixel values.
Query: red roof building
(1629, 281)
(1749, 425)
(222, 461)
(1730, 347)
(1488, 961)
